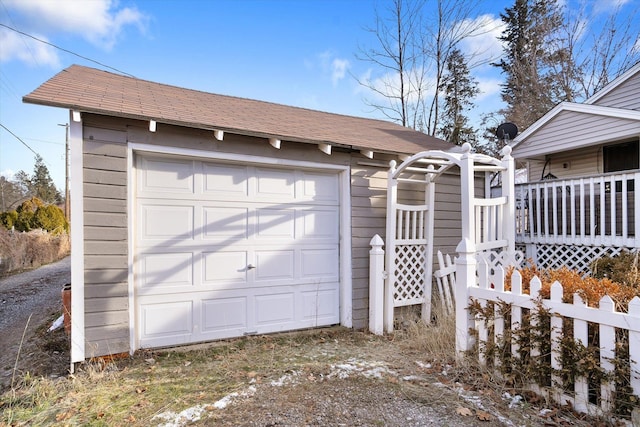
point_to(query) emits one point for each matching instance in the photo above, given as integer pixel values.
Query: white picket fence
(488, 287)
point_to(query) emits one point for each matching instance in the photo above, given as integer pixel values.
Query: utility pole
(67, 210)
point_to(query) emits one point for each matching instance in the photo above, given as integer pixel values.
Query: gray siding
(105, 229)
(572, 128)
(627, 95)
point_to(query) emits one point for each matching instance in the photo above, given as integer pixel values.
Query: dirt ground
(331, 376)
(29, 303)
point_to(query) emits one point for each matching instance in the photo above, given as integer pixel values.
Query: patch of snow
(194, 413)
(286, 378)
(189, 415)
(424, 365)
(513, 400)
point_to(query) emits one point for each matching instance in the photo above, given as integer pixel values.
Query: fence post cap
(376, 241)
(466, 246)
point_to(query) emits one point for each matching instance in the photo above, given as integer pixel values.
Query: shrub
(622, 268)
(33, 214)
(590, 289)
(8, 219)
(20, 251)
(50, 218)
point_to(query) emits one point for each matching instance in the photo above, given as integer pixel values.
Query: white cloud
(98, 21)
(339, 69)
(608, 6)
(330, 64)
(483, 45)
(27, 50)
(8, 174)
(488, 87)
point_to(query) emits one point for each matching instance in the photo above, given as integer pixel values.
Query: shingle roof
(96, 91)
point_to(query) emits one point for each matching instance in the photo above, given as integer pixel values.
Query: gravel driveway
(29, 302)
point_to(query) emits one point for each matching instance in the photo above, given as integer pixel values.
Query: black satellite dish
(507, 131)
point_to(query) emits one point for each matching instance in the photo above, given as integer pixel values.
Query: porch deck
(571, 221)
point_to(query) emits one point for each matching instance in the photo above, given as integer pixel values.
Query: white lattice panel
(572, 256)
(409, 274)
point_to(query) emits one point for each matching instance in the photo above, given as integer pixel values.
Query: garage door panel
(166, 319)
(274, 308)
(275, 183)
(321, 306)
(229, 223)
(229, 267)
(224, 314)
(271, 265)
(319, 263)
(165, 223)
(166, 176)
(319, 224)
(165, 270)
(225, 180)
(319, 187)
(275, 223)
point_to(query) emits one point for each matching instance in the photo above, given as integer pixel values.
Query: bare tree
(597, 52)
(412, 52)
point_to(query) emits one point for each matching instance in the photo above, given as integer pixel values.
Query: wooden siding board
(92, 204)
(109, 262)
(103, 304)
(103, 191)
(94, 176)
(106, 290)
(105, 219)
(105, 276)
(106, 163)
(105, 247)
(105, 234)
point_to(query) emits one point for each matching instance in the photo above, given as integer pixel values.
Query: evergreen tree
(531, 87)
(459, 89)
(40, 184)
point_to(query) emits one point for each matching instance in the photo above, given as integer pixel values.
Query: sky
(301, 53)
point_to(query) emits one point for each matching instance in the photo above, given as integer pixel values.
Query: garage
(226, 249)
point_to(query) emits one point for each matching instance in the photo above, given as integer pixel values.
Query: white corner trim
(346, 271)
(77, 241)
(218, 134)
(75, 116)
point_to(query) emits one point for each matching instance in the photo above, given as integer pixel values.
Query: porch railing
(599, 210)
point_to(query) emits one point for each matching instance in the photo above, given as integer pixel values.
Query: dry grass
(23, 251)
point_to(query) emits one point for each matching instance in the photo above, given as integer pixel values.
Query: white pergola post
(508, 191)
(376, 286)
(392, 196)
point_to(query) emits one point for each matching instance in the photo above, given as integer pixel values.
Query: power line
(66, 50)
(19, 139)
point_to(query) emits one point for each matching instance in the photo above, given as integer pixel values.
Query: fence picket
(581, 335)
(634, 348)
(556, 339)
(607, 354)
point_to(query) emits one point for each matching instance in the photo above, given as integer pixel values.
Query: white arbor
(487, 225)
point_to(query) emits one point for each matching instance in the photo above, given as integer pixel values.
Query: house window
(621, 157)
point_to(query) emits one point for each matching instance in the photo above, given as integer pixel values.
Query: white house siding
(573, 128)
(626, 95)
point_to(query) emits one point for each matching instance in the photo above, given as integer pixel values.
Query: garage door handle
(250, 267)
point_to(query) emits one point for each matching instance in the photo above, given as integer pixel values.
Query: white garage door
(225, 250)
